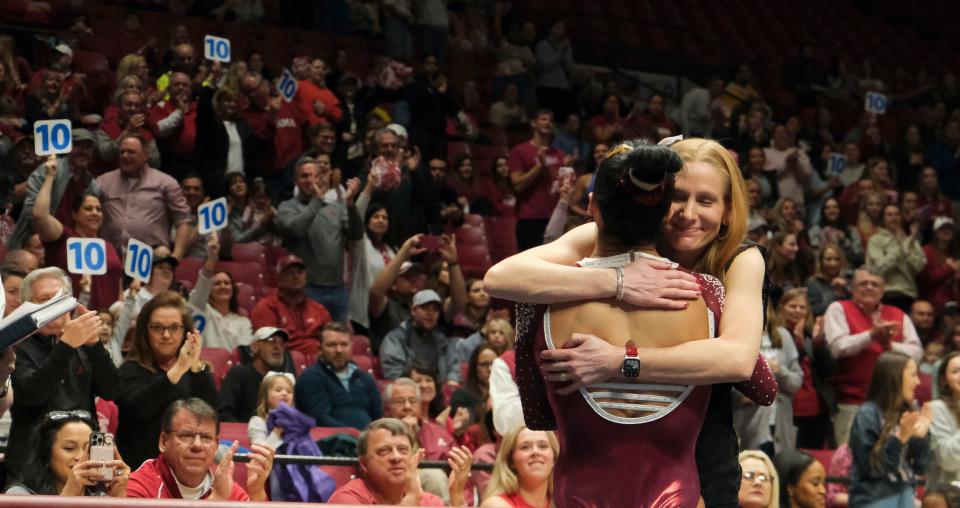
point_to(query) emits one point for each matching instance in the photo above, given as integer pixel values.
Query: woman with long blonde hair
(523, 472)
(703, 231)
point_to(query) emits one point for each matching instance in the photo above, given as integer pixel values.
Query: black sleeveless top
(717, 445)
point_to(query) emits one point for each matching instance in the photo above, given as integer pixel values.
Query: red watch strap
(631, 349)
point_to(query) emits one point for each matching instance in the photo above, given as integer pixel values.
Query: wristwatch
(631, 361)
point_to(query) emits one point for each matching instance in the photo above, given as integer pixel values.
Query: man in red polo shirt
(858, 332)
(534, 166)
(290, 309)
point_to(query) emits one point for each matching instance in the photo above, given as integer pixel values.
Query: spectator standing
(238, 391)
(393, 289)
(318, 231)
(185, 468)
(290, 309)
(889, 441)
(944, 156)
(230, 145)
(87, 220)
(898, 257)
(931, 197)
(334, 391)
(318, 104)
(430, 102)
(131, 120)
(829, 282)
(142, 202)
(71, 179)
(432, 27)
(791, 164)
(174, 123)
(554, 65)
(419, 338)
(858, 331)
(369, 255)
(937, 282)
(698, 109)
(771, 428)
(534, 166)
(60, 368)
(163, 365)
(397, 22)
(834, 228)
(814, 401)
(508, 111)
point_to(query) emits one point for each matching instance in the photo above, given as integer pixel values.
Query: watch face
(631, 367)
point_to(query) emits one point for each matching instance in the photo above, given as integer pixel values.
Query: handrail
(351, 461)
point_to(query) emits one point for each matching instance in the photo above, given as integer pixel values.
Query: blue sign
(837, 163)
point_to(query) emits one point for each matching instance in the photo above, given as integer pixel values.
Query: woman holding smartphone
(62, 464)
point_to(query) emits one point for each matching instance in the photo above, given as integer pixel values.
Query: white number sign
(139, 261)
(216, 48)
(212, 216)
(86, 256)
(875, 103)
(52, 137)
(287, 86)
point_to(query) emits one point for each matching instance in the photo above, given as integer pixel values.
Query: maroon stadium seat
(244, 271)
(188, 269)
(220, 361)
(361, 345)
(250, 251)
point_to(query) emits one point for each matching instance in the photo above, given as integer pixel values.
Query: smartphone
(101, 448)
(566, 172)
(430, 242)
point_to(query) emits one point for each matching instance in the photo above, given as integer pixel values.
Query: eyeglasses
(401, 401)
(188, 438)
(159, 329)
(756, 477)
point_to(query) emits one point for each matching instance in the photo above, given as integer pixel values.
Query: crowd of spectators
(361, 198)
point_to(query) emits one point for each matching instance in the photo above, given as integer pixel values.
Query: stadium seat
(244, 271)
(246, 296)
(501, 237)
(250, 251)
(474, 259)
(364, 363)
(361, 345)
(299, 361)
(220, 361)
(188, 269)
(235, 431)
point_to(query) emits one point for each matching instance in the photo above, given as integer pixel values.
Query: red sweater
(307, 93)
(852, 377)
(154, 480)
(302, 322)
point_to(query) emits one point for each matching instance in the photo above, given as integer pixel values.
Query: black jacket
(213, 145)
(144, 397)
(50, 376)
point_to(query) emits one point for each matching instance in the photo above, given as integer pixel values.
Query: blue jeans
(336, 299)
(902, 500)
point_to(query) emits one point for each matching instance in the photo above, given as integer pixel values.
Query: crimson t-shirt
(536, 202)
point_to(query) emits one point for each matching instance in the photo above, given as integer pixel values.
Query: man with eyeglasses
(188, 450)
(61, 367)
(858, 331)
